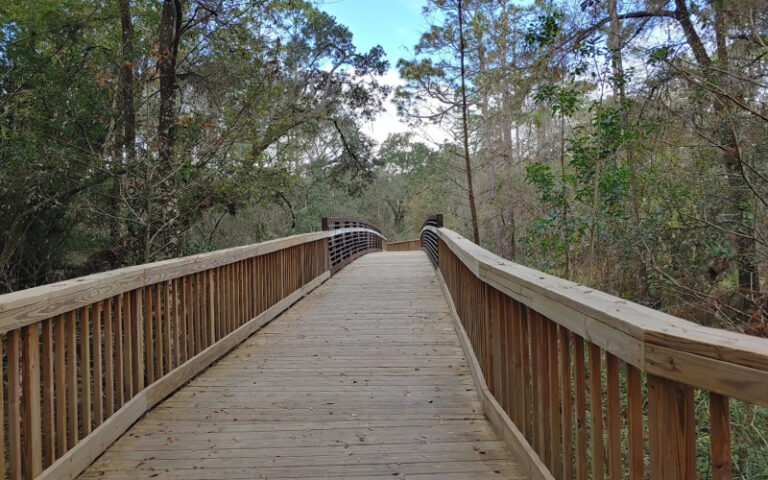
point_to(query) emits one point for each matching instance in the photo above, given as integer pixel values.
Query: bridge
(335, 354)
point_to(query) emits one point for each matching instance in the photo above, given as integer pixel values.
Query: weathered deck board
(364, 378)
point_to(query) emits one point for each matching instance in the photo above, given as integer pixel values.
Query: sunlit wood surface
(364, 378)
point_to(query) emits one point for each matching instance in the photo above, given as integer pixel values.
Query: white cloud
(388, 122)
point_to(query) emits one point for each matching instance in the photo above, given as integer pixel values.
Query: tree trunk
(740, 195)
(128, 113)
(125, 136)
(490, 152)
(167, 230)
(619, 93)
(465, 125)
(508, 221)
(738, 203)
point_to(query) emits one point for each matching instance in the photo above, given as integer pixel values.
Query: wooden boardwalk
(364, 378)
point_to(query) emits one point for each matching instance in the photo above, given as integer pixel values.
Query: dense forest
(621, 144)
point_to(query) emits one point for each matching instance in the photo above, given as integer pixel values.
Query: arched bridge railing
(588, 385)
(351, 238)
(428, 237)
(83, 359)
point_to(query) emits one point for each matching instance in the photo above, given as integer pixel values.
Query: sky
(396, 25)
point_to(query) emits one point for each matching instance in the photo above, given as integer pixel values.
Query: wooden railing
(83, 359)
(429, 237)
(351, 239)
(404, 246)
(593, 386)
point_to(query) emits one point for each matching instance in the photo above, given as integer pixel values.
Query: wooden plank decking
(364, 378)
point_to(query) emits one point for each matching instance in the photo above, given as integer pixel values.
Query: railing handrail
(25, 307)
(143, 331)
(328, 223)
(653, 341)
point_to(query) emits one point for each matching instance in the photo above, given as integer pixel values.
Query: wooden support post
(33, 443)
(71, 380)
(138, 340)
(672, 429)
(720, 436)
(109, 360)
(85, 371)
(60, 380)
(2, 416)
(98, 390)
(211, 306)
(581, 407)
(149, 365)
(46, 369)
(14, 407)
(613, 417)
(635, 423)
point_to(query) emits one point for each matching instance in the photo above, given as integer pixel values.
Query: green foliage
(544, 30)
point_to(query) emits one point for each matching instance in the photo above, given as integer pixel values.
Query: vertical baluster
(527, 393)
(3, 466)
(189, 293)
(613, 417)
(580, 375)
(555, 424)
(672, 429)
(720, 436)
(127, 344)
(176, 323)
(238, 295)
(252, 291)
(538, 388)
(109, 358)
(46, 368)
(167, 317)
(232, 299)
(211, 306)
(71, 381)
(138, 339)
(14, 406)
(596, 410)
(565, 387)
(251, 287)
(184, 314)
(191, 340)
(158, 333)
(635, 423)
(98, 389)
(196, 306)
(507, 365)
(117, 330)
(32, 436)
(149, 360)
(217, 303)
(205, 286)
(516, 390)
(60, 385)
(85, 370)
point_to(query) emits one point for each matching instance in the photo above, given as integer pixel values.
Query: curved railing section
(83, 359)
(351, 238)
(596, 385)
(429, 237)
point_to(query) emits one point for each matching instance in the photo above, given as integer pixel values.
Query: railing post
(211, 306)
(138, 335)
(672, 428)
(33, 442)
